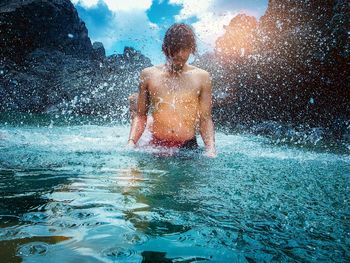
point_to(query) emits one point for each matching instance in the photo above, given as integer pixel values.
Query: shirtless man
(179, 97)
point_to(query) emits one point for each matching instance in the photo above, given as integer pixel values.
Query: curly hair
(177, 37)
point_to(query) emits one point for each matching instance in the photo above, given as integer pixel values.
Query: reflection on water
(74, 194)
(15, 250)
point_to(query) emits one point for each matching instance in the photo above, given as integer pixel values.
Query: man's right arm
(139, 122)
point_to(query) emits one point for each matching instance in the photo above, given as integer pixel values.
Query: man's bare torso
(174, 101)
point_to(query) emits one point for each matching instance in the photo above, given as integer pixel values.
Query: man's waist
(174, 128)
(173, 133)
(174, 142)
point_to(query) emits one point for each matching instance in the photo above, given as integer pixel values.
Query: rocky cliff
(291, 66)
(30, 24)
(48, 64)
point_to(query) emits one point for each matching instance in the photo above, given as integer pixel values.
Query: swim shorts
(190, 144)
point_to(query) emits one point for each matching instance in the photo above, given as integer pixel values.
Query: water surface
(73, 193)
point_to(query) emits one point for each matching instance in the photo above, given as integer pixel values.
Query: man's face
(179, 59)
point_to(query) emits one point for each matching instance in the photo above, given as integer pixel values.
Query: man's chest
(187, 86)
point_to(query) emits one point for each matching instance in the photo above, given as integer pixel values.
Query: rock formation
(296, 70)
(48, 64)
(238, 41)
(31, 24)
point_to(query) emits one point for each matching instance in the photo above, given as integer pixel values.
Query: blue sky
(142, 23)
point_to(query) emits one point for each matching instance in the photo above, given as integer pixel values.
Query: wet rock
(99, 50)
(48, 64)
(238, 41)
(346, 136)
(294, 70)
(26, 25)
(269, 128)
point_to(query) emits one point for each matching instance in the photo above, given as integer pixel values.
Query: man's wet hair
(179, 36)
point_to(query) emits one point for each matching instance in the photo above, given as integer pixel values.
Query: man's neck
(174, 70)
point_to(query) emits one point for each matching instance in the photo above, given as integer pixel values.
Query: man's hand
(131, 144)
(211, 153)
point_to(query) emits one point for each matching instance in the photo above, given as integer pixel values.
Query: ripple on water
(135, 238)
(12, 233)
(81, 215)
(9, 220)
(35, 217)
(118, 253)
(33, 248)
(264, 202)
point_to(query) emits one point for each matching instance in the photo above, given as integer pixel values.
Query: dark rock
(239, 39)
(48, 64)
(296, 70)
(99, 50)
(26, 25)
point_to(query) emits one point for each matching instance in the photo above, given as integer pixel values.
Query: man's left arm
(206, 124)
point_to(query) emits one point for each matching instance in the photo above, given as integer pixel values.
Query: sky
(142, 24)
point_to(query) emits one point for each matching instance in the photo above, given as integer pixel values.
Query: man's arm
(206, 125)
(139, 122)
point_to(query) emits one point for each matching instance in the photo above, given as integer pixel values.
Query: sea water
(74, 193)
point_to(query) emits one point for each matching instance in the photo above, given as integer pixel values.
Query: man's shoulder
(148, 73)
(151, 70)
(197, 70)
(202, 75)
(147, 70)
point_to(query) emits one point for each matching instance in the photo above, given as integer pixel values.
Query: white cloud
(209, 27)
(129, 24)
(117, 5)
(191, 7)
(128, 5)
(210, 22)
(126, 27)
(86, 3)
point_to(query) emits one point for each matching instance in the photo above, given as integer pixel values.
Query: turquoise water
(75, 194)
